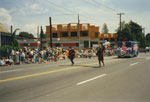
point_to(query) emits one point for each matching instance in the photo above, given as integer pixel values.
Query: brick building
(66, 35)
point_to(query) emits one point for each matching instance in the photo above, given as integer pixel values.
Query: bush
(5, 51)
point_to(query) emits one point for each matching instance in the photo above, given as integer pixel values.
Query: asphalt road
(120, 80)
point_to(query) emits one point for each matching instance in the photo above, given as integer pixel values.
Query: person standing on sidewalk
(71, 54)
(100, 54)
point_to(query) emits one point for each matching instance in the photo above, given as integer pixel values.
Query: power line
(62, 8)
(98, 4)
(69, 13)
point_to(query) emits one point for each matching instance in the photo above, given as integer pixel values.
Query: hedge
(5, 51)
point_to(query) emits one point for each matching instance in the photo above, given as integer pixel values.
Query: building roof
(3, 29)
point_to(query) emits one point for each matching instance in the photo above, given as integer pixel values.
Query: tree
(119, 33)
(14, 42)
(123, 23)
(5, 51)
(136, 30)
(42, 36)
(148, 39)
(133, 32)
(105, 29)
(26, 35)
(126, 33)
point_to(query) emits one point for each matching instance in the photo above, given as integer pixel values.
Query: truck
(127, 49)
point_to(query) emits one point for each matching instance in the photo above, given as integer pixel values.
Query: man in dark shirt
(71, 55)
(100, 54)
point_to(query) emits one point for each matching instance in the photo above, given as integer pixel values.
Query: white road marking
(91, 79)
(134, 64)
(11, 71)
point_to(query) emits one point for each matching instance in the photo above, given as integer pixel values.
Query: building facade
(65, 35)
(110, 37)
(32, 43)
(5, 36)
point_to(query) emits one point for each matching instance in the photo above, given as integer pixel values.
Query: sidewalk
(57, 62)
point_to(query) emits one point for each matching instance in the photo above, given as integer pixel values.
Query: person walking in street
(100, 54)
(71, 55)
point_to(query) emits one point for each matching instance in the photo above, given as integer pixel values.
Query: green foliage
(123, 23)
(105, 29)
(5, 51)
(42, 35)
(148, 36)
(127, 33)
(26, 35)
(148, 39)
(15, 44)
(133, 32)
(136, 30)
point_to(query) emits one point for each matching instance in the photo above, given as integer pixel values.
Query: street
(120, 80)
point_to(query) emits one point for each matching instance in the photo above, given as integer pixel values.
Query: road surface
(120, 80)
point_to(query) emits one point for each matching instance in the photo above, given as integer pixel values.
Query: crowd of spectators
(28, 55)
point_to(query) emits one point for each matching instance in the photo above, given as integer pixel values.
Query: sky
(28, 14)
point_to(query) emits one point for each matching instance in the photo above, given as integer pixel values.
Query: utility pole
(78, 32)
(41, 39)
(38, 36)
(120, 14)
(50, 43)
